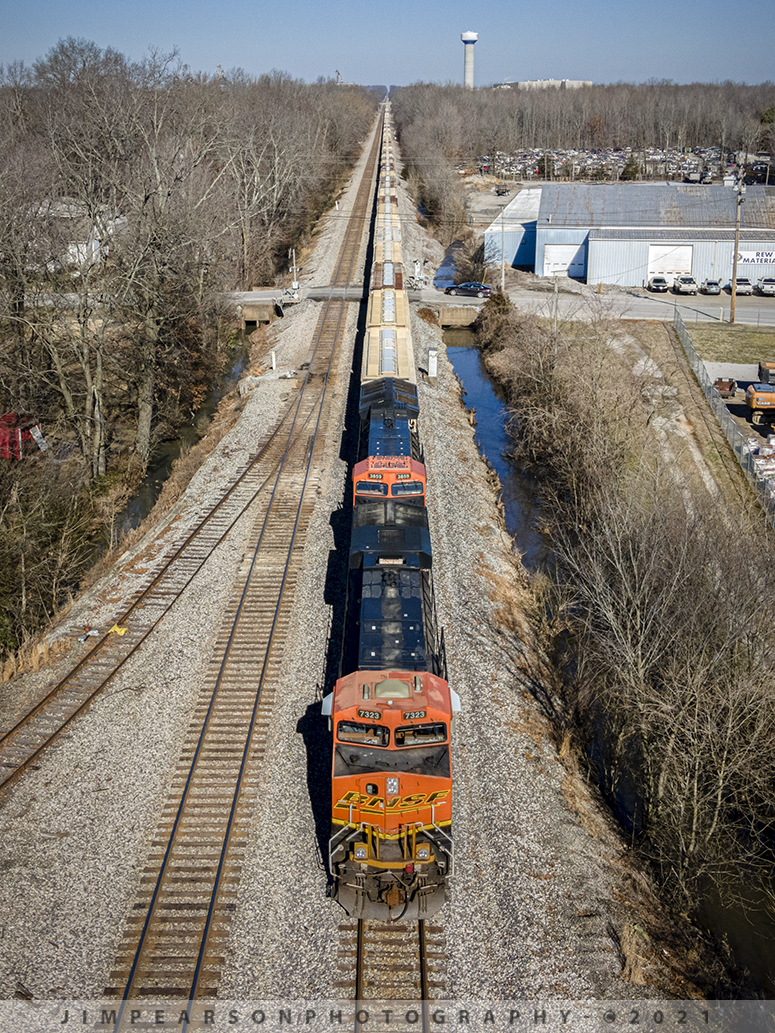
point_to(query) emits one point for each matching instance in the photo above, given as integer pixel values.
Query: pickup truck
(766, 285)
(685, 285)
(744, 285)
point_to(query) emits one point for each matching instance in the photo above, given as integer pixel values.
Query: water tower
(469, 38)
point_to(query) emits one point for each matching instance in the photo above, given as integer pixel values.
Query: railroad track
(392, 969)
(62, 702)
(173, 944)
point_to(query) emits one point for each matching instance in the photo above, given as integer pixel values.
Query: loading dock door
(565, 260)
(670, 260)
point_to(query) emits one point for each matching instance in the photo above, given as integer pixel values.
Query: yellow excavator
(760, 399)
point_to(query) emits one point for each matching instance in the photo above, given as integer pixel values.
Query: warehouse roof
(663, 205)
(663, 233)
(523, 208)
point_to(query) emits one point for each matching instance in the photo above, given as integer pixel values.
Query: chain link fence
(765, 486)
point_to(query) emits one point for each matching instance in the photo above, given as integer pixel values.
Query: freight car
(392, 709)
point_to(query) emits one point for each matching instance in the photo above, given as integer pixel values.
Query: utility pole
(740, 191)
(502, 254)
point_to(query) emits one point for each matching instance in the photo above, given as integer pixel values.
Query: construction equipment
(760, 399)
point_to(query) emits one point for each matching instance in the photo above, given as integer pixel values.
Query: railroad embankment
(545, 903)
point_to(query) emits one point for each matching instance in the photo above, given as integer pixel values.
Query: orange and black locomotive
(392, 709)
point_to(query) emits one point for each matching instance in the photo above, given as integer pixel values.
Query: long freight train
(391, 710)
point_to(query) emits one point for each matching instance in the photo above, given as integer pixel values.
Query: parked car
(472, 289)
(685, 285)
(765, 285)
(658, 284)
(710, 287)
(744, 285)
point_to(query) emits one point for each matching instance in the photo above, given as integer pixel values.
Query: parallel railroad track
(173, 946)
(21, 744)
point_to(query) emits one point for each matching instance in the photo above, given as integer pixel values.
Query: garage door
(565, 260)
(670, 260)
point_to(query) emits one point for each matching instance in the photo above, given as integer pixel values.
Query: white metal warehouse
(625, 233)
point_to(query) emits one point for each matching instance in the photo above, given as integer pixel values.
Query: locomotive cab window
(368, 735)
(370, 488)
(407, 488)
(421, 735)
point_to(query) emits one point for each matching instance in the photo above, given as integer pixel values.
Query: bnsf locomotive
(392, 710)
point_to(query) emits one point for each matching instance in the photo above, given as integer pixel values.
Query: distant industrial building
(625, 233)
(544, 84)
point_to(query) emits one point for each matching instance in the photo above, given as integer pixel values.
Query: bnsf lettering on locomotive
(396, 803)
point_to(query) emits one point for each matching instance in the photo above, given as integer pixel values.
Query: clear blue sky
(403, 41)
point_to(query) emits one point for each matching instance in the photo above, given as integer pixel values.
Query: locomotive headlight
(391, 786)
(361, 853)
(423, 853)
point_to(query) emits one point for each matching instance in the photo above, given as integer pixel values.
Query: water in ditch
(166, 452)
(518, 491)
(748, 928)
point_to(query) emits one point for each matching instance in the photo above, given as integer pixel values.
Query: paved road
(624, 304)
(628, 304)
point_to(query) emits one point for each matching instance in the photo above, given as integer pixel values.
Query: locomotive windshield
(356, 731)
(421, 735)
(432, 760)
(370, 488)
(407, 488)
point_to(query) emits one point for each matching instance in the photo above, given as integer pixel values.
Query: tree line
(440, 127)
(656, 609)
(134, 194)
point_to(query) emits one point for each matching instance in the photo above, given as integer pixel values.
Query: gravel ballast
(543, 903)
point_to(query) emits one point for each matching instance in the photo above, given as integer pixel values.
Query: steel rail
(146, 598)
(245, 748)
(392, 962)
(55, 706)
(334, 313)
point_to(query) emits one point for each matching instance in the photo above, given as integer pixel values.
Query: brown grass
(33, 656)
(723, 342)
(36, 653)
